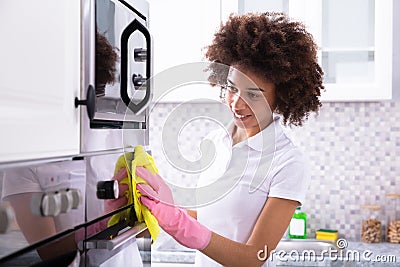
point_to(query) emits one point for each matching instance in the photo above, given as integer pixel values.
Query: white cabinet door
(181, 29)
(39, 78)
(355, 39)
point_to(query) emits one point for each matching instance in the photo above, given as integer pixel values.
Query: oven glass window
(112, 19)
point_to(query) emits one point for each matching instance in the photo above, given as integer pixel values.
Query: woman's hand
(157, 197)
(155, 188)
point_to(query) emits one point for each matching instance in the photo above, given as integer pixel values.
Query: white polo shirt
(233, 190)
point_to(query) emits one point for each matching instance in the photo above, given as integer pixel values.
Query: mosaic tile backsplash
(354, 149)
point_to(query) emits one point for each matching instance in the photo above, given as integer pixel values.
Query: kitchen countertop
(172, 256)
(378, 254)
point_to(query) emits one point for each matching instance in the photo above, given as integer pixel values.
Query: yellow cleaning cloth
(140, 158)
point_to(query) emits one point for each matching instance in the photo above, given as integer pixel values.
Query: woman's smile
(249, 98)
(241, 117)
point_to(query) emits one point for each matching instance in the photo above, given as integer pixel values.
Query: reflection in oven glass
(106, 59)
(46, 199)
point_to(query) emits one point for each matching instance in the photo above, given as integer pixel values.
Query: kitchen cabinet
(355, 40)
(39, 79)
(179, 39)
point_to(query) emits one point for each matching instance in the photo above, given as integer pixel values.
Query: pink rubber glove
(155, 188)
(173, 220)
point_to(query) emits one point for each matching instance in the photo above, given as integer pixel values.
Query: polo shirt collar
(263, 141)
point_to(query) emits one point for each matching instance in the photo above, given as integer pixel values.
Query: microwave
(116, 74)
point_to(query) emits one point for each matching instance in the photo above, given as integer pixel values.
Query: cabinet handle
(90, 102)
(118, 240)
(135, 25)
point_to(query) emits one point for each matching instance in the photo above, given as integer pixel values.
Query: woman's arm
(192, 213)
(268, 230)
(36, 228)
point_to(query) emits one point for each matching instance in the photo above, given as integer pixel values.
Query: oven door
(117, 66)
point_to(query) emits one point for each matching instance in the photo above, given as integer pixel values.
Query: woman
(273, 77)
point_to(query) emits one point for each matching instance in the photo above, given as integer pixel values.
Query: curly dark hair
(277, 49)
(106, 57)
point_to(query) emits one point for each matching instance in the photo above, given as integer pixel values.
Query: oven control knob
(140, 54)
(51, 204)
(107, 189)
(76, 197)
(66, 201)
(46, 204)
(6, 218)
(138, 81)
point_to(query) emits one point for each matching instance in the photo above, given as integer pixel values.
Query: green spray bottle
(297, 226)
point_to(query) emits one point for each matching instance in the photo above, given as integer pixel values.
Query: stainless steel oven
(116, 71)
(65, 225)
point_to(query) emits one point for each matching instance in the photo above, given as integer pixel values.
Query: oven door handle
(117, 241)
(135, 25)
